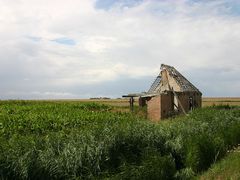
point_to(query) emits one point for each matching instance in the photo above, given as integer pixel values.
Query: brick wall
(198, 101)
(153, 108)
(161, 107)
(184, 99)
(166, 105)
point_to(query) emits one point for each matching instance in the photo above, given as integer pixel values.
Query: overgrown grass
(72, 140)
(227, 168)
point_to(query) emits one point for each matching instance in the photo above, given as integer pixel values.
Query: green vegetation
(227, 168)
(72, 140)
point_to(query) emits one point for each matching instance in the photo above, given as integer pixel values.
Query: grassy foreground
(227, 168)
(74, 140)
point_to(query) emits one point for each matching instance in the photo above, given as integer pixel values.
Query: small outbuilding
(170, 94)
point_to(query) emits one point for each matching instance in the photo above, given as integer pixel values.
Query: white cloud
(39, 95)
(109, 44)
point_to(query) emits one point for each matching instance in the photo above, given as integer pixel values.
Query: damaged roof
(169, 77)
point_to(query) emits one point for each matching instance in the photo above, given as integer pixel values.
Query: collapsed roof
(170, 79)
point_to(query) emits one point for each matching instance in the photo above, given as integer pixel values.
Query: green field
(76, 140)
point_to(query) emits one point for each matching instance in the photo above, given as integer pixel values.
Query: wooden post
(141, 102)
(131, 101)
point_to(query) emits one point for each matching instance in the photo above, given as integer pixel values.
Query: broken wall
(184, 98)
(160, 107)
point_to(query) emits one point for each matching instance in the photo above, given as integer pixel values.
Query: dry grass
(124, 103)
(209, 101)
(206, 101)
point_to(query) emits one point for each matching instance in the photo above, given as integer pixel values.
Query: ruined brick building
(170, 94)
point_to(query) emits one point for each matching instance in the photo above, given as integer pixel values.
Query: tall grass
(59, 140)
(227, 168)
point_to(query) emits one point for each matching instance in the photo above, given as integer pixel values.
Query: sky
(57, 49)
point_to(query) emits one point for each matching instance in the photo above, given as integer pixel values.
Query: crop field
(100, 140)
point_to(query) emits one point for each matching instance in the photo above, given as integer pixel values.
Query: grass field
(227, 168)
(89, 140)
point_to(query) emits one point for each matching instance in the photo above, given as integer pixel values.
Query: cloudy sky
(90, 48)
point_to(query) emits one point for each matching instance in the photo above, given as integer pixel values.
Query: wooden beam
(171, 88)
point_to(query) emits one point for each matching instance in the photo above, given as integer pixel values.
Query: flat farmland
(209, 101)
(206, 101)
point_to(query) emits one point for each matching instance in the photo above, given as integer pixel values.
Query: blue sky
(107, 4)
(89, 48)
(231, 7)
(65, 41)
